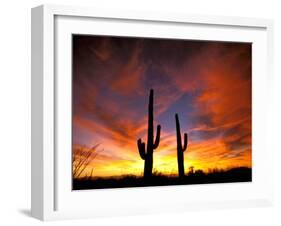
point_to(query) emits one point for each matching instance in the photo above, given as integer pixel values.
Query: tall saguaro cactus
(147, 155)
(180, 148)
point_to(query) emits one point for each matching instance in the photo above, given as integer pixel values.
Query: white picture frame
(52, 197)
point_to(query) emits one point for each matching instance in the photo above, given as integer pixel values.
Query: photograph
(160, 112)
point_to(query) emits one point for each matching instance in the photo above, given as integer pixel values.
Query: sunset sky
(207, 83)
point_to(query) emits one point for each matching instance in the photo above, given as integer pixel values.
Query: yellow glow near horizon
(197, 156)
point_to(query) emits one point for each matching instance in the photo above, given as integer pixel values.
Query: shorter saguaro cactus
(180, 148)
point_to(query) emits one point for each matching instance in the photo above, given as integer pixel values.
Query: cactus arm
(157, 139)
(185, 142)
(141, 147)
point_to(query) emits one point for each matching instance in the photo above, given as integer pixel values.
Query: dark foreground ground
(241, 174)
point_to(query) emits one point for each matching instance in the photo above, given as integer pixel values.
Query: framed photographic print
(137, 112)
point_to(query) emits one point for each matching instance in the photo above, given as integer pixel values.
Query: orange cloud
(127, 80)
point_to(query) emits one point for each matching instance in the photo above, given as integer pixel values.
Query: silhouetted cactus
(147, 155)
(180, 148)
